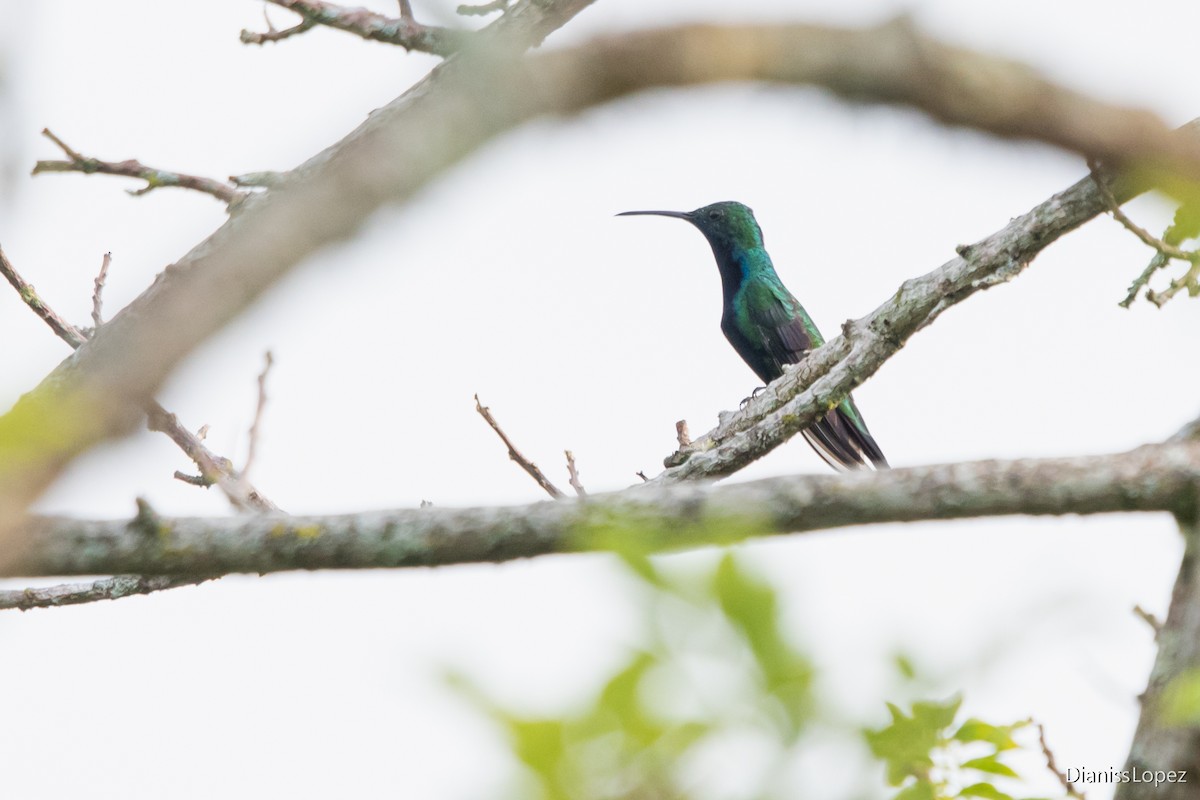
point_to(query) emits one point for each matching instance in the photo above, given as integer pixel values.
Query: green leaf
(621, 691)
(540, 745)
(937, 715)
(976, 730)
(751, 606)
(905, 746)
(1186, 224)
(985, 790)
(638, 561)
(921, 790)
(991, 765)
(619, 704)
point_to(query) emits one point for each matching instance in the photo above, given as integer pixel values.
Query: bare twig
(482, 10)
(98, 291)
(1149, 239)
(1190, 280)
(258, 412)
(574, 473)
(1165, 252)
(69, 594)
(62, 329)
(404, 31)
(274, 35)
(213, 468)
(641, 474)
(131, 168)
(193, 480)
(523, 462)
(1053, 766)
(1157, 262)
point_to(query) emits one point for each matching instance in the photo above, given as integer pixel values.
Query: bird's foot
(746, 400)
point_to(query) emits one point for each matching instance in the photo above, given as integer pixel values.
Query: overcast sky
(510, 277)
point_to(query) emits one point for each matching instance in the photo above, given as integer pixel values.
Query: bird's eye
(715, 215)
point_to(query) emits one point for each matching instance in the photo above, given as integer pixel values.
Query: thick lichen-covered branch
(480, 93)
(1151, 478)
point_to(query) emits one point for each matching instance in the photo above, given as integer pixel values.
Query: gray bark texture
(648, 518)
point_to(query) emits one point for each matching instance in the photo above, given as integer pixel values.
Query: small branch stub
(1150, 619)
(98, 291)
(482, 10)
(681, 434)
(576, 484)
(272, 34)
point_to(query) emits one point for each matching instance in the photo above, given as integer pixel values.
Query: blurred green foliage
(1181, 699)
(717, 671)
(1185, 227)
(932, 759)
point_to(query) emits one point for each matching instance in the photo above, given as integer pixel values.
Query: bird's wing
(781, 324)
(788, 334)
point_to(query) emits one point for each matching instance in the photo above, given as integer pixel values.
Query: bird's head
(726, 225)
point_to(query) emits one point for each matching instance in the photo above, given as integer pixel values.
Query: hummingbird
(769, 328)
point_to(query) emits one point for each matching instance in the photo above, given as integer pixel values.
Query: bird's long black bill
(678, 214)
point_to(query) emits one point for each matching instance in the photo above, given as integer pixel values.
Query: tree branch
(573, 474)
(273, 34)
(1166, 740)
(259, 408)
(482, 92)
(1189, 280)
(214, 469)
(70, 594)
(531, 469)
(1150, 240)
(404, 32)
(483, 9)
(1162, 477)
(95, 394)
(131, 168)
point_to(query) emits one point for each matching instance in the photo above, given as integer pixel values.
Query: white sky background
(510, 277)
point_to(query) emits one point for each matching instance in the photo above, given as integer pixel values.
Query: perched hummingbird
(768, 327)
